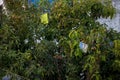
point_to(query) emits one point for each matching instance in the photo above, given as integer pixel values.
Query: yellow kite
(44, 18)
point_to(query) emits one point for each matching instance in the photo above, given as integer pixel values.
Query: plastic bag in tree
(44, 18)
(83, 47)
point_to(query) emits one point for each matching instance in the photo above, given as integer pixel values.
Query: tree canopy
(31, 50)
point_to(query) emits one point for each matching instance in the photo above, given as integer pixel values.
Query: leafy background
(30, 50)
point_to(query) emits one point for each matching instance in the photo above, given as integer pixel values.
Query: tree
(36, 51)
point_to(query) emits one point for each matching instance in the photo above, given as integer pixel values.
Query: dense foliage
(30, 50)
